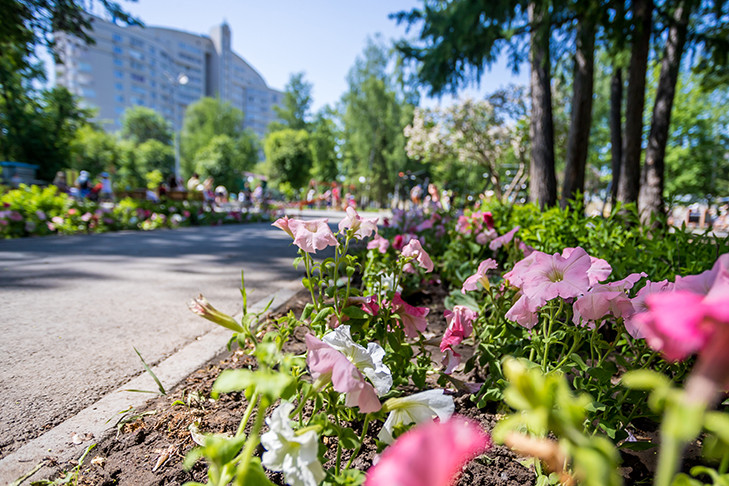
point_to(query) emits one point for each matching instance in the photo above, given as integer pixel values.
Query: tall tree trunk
(651, 193)
(579, 135)
(630, 165)
(542, 179)
(616, 129)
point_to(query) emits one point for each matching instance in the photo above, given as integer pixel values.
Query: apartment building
(164, 69)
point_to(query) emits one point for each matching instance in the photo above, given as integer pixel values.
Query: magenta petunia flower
(412, 318)
(503, 239)
(555, 276)
(488, 219)
(325, 362)
(431, 454)
(415, 249)
(380, 243)
(283, 223)
(480, 276)
(362, 227)
(460, 326)
(312, 235)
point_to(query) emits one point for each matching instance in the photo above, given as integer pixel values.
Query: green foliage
(323, 144)
(295, 112)
(288, 156)
(224, 159)
(94, 150)
(140, 124)
(374, 116)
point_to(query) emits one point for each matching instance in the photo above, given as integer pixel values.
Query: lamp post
(180, 80)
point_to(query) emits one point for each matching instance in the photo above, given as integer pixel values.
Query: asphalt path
(74, 307)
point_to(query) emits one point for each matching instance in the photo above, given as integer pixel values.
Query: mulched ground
(152, 443)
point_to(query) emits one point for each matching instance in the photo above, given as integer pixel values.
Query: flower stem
(361, 440)
(247, 414)
(251, 442)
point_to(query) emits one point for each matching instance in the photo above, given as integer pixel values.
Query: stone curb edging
(96, 421)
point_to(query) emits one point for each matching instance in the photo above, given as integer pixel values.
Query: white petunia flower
(418, 408)
(294, 455)
(368, 361)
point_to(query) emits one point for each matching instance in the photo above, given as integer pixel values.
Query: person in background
(60, 182)
(83, 184)
(193, 183)
(106, 193)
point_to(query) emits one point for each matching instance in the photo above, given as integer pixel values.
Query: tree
(374, 116)
(288, 156)
(94, 150)
(224, 160)
(459, 39)
(140, 124)
(470, 133)
(204, 120)
(581, 119)
(296, 110)
(324, 144)
(154, 155)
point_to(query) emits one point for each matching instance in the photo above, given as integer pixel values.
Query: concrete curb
(95, 422)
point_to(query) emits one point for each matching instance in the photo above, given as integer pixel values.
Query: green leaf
(645, 380)
(270, 384)
(307, 311)
(641, 445)
(347, 438)
(254, 475)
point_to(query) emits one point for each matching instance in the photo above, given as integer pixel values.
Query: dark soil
(152, 443)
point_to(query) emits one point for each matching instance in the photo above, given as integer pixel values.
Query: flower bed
(581, 351)
(36, 211)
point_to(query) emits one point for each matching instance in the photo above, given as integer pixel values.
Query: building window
(138, 90)
(136, 42)
(117, 50)
(88, 93)
(137, 77)
(118, 62)
(136, 55)
(119, 98)
(119, 110)
(116, 37)
(136, 65)
(119, 86)
(84, 67)
(118, 74)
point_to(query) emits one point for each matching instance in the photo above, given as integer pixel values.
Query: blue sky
(280, 37)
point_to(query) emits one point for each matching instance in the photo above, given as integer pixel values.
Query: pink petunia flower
(415, 249)
(460, 326)
(380, 243)
(425, 225)
(526, 249)
(639, 301)
(362, 227)
(412, 318)
(524, 311)
(479, 276)
(606, 299)
(450, 361)
(702, 283)
(431, 454)
(326, 363)
(312, 235)
(557, 276)
(599, 268)
(503, 240)
(485, 236)
(283, 223)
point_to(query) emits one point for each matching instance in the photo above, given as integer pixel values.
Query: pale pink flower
(701, 283)
(650, 288)
(412, 318)
(326, 363)
(430, 454)
(415, 249)
(425, 225)
(380, 243)
(362, 227)
(526, 249)
(462, 225)
(15, 216)
(557, 276)
(524, 312)
(518, 274)
(283, 223)
(503, 239)
(485, 236)
(599, 268)
(606, 299)
(312, 235)
(460, 326)
(450, 361)
(480, 276)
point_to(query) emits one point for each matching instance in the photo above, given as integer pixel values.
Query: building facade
(163, 69)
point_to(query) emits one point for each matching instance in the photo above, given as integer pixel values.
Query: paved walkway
(74, 307)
